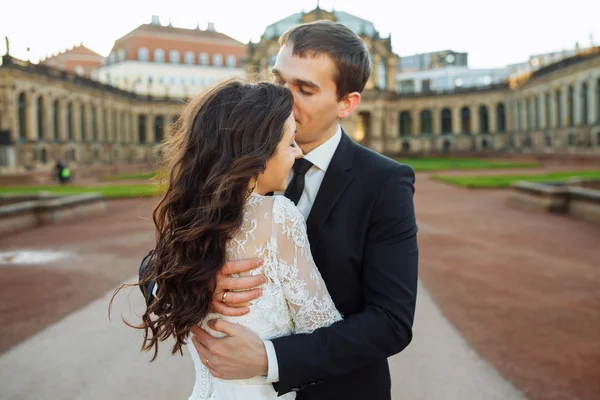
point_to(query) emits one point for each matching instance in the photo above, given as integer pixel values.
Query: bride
(235, 145)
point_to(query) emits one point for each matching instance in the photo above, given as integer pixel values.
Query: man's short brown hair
(341, 44)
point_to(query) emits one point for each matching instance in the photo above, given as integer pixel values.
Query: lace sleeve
(307, 297)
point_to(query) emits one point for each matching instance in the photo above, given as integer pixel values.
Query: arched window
(40, 118)
(500, 118)
(231, 61)
(142, 129)
(158, 129)
(484, 123)
(82, 122)
(465, 120)
(426, 125)
(55, 116)
(189, 58)
(94, 125)
(104, 126)
(22, 117)
(174, 57)
(529, 109)
(143, 54)
(584, 103)
(70, 121)
(571, 107)
(538, 122)
(446, 121)
(558, 96)
(159, 56)
(548, 106)
(405, 123)
(203, 58)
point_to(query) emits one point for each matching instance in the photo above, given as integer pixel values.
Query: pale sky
(494, 33)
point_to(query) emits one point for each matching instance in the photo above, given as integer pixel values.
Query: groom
(362, 230)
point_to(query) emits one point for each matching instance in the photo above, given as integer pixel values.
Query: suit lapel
(337, 178)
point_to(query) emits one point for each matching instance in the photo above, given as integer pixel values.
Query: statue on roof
(7, 45)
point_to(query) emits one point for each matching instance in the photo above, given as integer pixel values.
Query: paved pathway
(85, 356)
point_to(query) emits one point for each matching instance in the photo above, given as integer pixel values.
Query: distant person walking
(63, 173)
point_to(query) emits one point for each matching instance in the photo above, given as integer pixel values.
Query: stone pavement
(87, 357)
(521, 287)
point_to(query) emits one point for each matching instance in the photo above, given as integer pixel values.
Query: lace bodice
(294, 299)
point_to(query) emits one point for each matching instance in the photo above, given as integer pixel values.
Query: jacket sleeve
(146, 268)
(389, 285)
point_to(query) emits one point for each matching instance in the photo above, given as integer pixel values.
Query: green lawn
(418, 164)
(123, 177)
(450, 163)
(109, 191)
(504, 181)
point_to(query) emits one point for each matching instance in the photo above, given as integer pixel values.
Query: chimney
(211, 27)
(155, 20)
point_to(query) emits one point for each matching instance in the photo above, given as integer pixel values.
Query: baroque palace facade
(48, 114)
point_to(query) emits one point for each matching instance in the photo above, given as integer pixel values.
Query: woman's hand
(233, 295)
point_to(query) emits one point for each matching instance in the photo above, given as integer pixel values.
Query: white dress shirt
(320, 158)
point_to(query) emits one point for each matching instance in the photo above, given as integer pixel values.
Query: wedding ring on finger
(224, 296)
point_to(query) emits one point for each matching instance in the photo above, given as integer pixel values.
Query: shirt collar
(322, 155)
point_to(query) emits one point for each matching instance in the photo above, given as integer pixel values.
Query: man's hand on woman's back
(233, 294)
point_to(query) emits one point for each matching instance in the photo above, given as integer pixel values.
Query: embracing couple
(286, 255)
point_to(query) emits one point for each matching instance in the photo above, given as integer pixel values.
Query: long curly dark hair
(223, 140)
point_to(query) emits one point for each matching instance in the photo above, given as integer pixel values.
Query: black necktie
(296, 186)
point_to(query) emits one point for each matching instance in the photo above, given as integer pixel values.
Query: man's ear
(348, 104)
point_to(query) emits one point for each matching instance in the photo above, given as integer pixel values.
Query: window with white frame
(203, 58)
(143, 54)
(174, 57)
(188, 58)
(217, 60)
(159, 55)
(231, 61)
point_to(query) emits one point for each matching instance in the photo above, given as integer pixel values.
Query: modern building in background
(443, 71)
(166, 61)
(447, 79)
(78, 59)
(434, 60)
(538, 61)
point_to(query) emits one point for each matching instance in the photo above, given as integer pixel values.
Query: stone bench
(32, 211)
(584, 203)
(575, 197)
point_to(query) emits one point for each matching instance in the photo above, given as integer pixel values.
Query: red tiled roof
(169, 38)
(74, 53)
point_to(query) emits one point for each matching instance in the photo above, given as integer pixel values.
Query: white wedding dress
(294, 300)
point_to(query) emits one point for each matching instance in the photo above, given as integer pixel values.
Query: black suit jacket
(363, 236)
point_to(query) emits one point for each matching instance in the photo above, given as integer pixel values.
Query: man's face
(316, 107)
